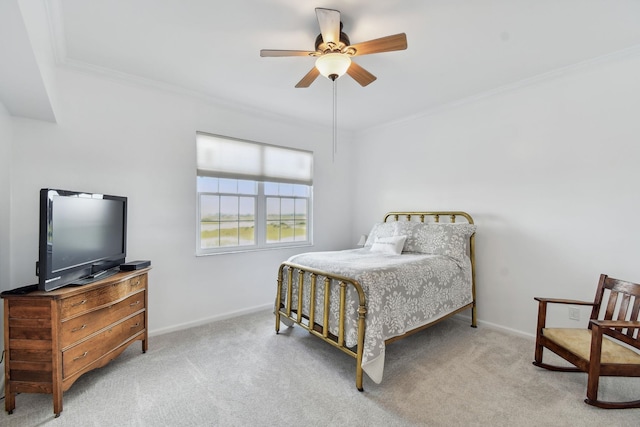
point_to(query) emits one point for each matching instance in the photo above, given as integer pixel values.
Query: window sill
(244, 250)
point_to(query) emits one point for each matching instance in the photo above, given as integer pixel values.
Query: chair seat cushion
(578, 341)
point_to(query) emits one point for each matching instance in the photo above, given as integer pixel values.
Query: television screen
(82, 237)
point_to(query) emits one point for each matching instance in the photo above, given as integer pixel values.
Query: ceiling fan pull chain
(335, 119)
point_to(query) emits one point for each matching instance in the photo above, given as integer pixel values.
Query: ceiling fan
(333, 51)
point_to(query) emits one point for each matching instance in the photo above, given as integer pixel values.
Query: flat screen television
(83, 237)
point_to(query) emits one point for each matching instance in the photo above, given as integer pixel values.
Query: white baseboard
(225, 316)
(232, 314)
(466, 318)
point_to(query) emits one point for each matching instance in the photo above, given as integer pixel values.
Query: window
(251, 195)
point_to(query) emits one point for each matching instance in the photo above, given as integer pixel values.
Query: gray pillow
(440, 239)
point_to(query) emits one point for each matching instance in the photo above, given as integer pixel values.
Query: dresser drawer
(84, 325)
(83, 354)
(101, 296)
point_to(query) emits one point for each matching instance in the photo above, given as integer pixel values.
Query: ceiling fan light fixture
(333, 65)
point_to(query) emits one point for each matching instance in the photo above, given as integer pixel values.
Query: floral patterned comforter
(403, 292)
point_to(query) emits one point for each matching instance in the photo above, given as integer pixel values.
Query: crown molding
(53, 10)
(530, 81)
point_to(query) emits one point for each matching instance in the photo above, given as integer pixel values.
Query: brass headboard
(452, 219)
(435, 215)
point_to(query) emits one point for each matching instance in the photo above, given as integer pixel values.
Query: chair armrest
(563, 301)
(616, 323)
(613, 328)
(542, 309)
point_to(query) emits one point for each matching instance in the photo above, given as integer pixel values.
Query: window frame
(261, 217)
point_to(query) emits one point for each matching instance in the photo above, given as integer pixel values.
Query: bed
(415, 269)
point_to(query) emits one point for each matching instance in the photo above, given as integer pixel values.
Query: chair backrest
(618, 300)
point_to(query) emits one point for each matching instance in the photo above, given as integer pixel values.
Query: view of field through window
(228, 212)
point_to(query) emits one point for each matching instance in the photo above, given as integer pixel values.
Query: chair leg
(594, 375)
(594, 364)
(538, 352)
(592, 385)
(542, 319)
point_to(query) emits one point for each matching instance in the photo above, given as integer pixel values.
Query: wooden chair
(616, 314)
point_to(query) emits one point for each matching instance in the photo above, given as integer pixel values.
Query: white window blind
(222, 156)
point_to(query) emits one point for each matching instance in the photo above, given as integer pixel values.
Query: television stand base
(94, 277)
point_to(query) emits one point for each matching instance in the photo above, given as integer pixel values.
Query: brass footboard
(308, 320)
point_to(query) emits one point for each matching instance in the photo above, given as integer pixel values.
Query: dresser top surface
(68, 291)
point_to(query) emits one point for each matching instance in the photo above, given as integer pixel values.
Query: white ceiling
(22, 89)
(457, 48)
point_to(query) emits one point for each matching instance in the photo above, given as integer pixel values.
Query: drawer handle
(137, 283)
(134, 303)
(84, 301)
(136, 325)
(81, 356)
(79, 329)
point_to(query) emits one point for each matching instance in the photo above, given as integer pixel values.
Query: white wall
(6, 137)
(126, 139)
(5, 225)
(549, 171)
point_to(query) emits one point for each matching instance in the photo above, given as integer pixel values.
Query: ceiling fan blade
(308, 78)
(329, 21)
(383, 44)
(360, 75)
(273, 52)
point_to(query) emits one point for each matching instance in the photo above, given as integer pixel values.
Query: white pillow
(380, 229)
(389, 245)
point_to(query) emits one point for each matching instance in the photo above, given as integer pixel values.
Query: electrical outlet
(574, 313)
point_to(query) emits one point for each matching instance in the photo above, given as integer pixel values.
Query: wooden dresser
(51, 338)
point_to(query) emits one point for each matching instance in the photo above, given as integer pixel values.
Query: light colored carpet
(240, 373)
